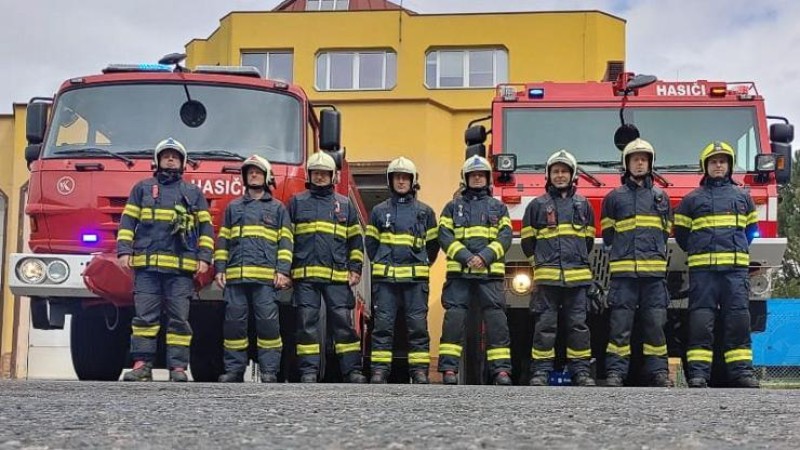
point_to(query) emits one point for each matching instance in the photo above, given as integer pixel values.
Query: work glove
(598, 302)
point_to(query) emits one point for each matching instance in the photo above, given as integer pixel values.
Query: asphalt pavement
(69, 414)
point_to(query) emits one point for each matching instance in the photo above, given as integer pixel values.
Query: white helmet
(260, 163)
(638, 146)
(170, 144)
(321, 161)
(402, 165)
(476, 164)
(562, 157)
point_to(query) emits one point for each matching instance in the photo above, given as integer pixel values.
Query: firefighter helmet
(476, 164)
(402, 165)
(717, 148)
(260, 163)
(562, 157)
(638, 146)
(321, 161)
(170, 144)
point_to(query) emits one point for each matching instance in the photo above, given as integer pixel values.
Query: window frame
(355, 70)
(465, 67)
(267, 54)
(336, 3)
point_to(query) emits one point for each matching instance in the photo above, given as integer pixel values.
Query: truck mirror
(783, 161)
(781, 132)
(32, 153)
(624, 135)
(330, 130)
(640, 81)
(338, 158)
(475, 135)
(36, 122)
(476, 149)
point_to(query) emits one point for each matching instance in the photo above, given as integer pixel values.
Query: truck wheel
(206, 352)
(474, 369)
(99, 342)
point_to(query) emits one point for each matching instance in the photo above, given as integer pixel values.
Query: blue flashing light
(536, 93)
(90, 238)
(154, 68)
(756, 234)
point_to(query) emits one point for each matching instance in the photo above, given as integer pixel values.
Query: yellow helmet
(476, 164)
(717, 148)
(262, 164)
(321, 161)
(638, 146)
(402, 165)
(562, 157)
(170, 144)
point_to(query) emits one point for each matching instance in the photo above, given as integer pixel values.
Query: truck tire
(206, 352)
(99, 342)
(474, 369)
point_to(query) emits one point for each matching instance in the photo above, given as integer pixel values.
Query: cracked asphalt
(69, 414)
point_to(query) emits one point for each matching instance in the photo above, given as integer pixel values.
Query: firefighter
(475, 234)
(402, 243)
(253, 262)
(328, 255)
(636, 222)
(165, 235)
(557, 235)
(715, 225)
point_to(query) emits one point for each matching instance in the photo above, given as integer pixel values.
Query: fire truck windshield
(131, 119)
(677, 133)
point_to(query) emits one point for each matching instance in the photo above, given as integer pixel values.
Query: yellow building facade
(436, 74)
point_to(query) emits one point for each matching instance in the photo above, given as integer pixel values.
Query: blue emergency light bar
(119, 68)
(536, 93)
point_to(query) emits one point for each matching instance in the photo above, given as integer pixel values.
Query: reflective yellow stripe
(752, 218)
(225, 232)
(132, 211)
(206, 242)
(321, 227)
(720, 221)
(124, 235)
(699, 355)
(162, 215)
(629, 265)
(221, 255)
(432, 234)
(606, 223)
(497, 248)
(235, 344)
(348, 347)
(683, 221)
(450, 350)
(356, 255)
(285, 255)
(383, 270)
(564, 230)
(286, 233)
(372, 231)
(353, 231)
(738, 354)
(256, 272)
(381, 356)
(619, 350)
(254, 231)
(496, 268)
(181, 340)
(307, 349)
(479, 231)
(719, 259)
(453, 249)
(203, 217)
(270, 344)
(578, 354)
(165, 261)
(527, 232)
(639, 221)
(145, 331)
(654, 350)
(583, 274)
(543, 354)
(446, 222)
(319, 272)
(419, 358)
(505, 221)
(388, 238)
(493, 354)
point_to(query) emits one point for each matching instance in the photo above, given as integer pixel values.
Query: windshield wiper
(606, 163)
(211, 154)
(680, 167)
(94, 151)
(537, 166)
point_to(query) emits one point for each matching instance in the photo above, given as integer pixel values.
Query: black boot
(308, 378)
(231, 377)
(356, 377)
(614, 379)
(539, 379)
(378, 377)
(450, 377)
(583, 379)
(178, 375)
(661, 379)
(142, 371)
(502, 379)
(747, 381)
(419, 377)
(698, 382)
(268, 377)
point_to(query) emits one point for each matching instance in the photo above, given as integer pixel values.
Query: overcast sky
(43, 42)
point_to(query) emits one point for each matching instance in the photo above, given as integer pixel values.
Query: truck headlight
(521, 284)
(57, 271)
(32, 270)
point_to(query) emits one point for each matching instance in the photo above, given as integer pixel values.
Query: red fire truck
(530, 121)
(94, 140)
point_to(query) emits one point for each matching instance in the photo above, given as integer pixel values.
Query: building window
(272, 65)
(327, 5)
(480, 68)
(342, 71)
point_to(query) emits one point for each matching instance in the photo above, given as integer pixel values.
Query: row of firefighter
(315, 245)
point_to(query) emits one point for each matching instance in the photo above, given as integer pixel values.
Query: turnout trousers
(723, 293)
(571, 302)
(412, 299)
(339, 304)
(152, 292)
(456, 297)
(650, 297)
(263, 297)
